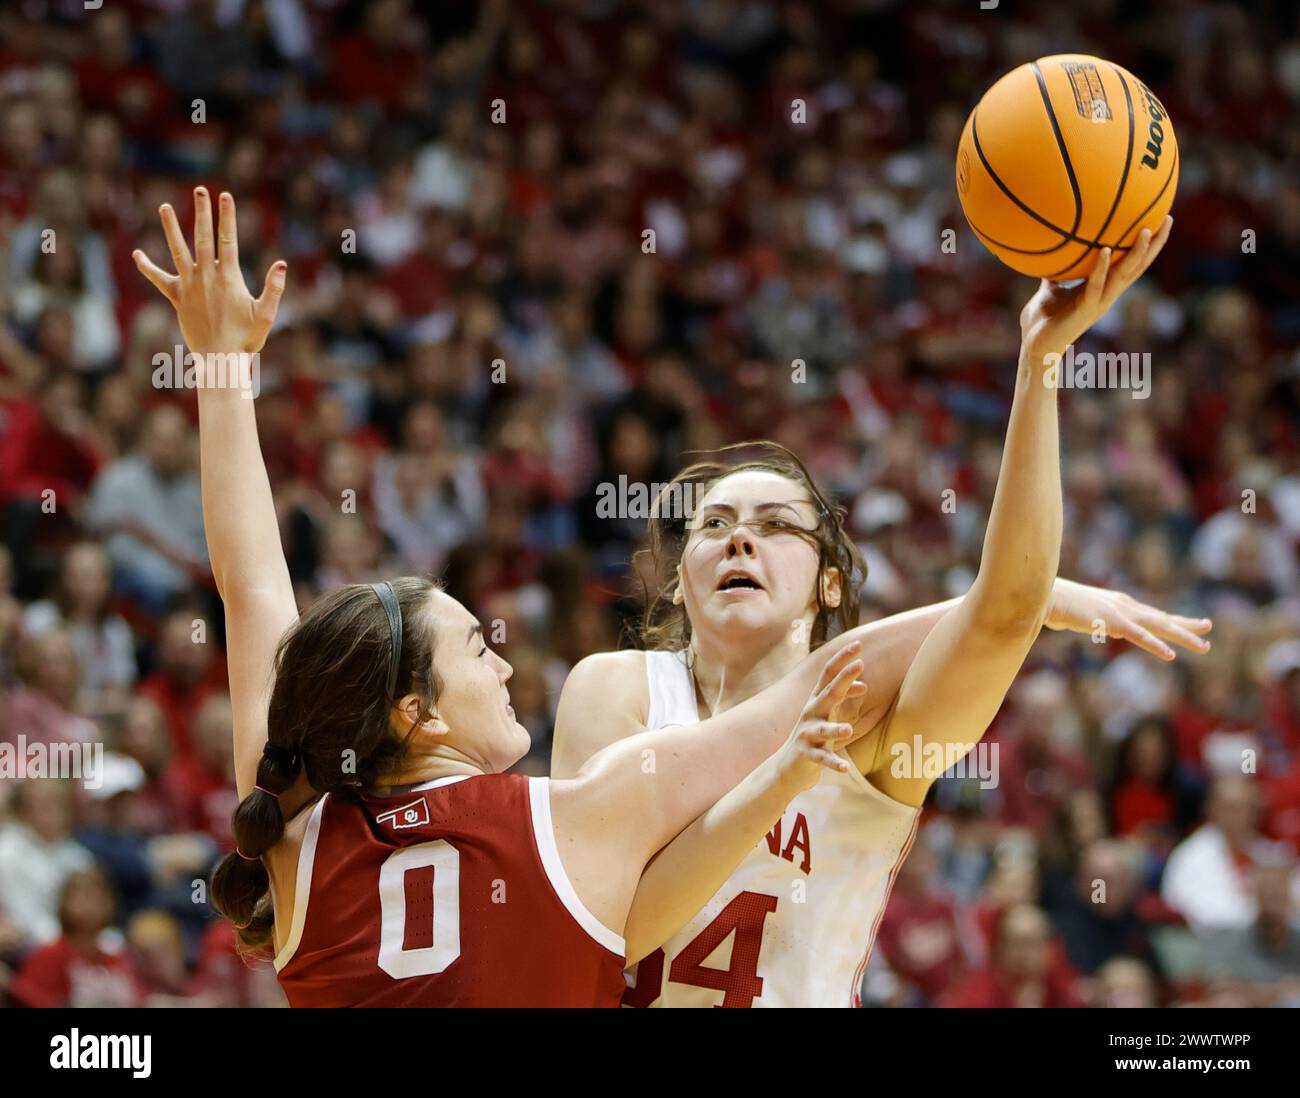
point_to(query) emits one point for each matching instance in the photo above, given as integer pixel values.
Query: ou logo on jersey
(414, 814)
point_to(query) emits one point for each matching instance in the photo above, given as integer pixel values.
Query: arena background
(496, 166)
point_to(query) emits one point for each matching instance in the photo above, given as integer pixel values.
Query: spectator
(428, 498)
(108, 830)
(157, 951)
(148, 506)
(920, 934)
(182, 680)
(146, 739)
(1100, 921)
(43, 709)
(1038, 771)
(104, 646)
(1124, 982)
(1207, 877)
(1264, 956)
(227, 978)
(1025, 971)
(204, 781)
(76, 969)
(1145, 799)
(37, 856)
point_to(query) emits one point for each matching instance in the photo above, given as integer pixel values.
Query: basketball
(1062, 157)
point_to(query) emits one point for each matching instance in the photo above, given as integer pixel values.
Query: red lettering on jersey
(739, 982)
(798, 841)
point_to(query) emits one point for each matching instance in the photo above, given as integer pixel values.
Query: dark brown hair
(329, 708)
(666, 626)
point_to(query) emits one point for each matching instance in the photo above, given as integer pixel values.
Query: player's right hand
(1056, 315)
(821, 732)
(215, 309)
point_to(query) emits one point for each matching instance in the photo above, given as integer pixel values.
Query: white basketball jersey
(794, 924)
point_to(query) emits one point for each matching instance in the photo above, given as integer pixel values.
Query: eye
(708, 522)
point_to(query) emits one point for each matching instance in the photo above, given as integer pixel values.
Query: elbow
(1015, 613)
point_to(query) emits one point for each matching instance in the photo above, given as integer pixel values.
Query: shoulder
(604, 699)
(612, 677)
(626, 661)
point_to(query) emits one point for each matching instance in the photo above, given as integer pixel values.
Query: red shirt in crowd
(1136, 803)
(1035, 782)
(920, 939)
(990, 988)
(61, 975)
(179, 704)
(207, 800)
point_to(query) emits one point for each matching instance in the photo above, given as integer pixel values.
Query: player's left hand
(1056, 316)
(1078, 608)
(822, 731)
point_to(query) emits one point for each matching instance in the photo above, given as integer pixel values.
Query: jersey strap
(539, 798)
(671, 691)
(302, 885)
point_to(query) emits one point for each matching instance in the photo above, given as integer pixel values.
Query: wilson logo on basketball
(1155, 131)
(963, 171)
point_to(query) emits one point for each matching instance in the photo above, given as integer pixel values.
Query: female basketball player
(762, 572)
(423, 875)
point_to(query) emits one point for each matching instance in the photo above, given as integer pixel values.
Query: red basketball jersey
(450, 894)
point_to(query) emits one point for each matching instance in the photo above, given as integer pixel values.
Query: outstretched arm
(225, 327)
(889, 647)
(964, 668)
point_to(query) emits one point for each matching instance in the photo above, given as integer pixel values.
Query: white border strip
(302, 885)
(436, 783)
(539, 798)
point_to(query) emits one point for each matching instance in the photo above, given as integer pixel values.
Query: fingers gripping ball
(1062, 157)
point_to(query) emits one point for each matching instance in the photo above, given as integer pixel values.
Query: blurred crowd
(536, 246)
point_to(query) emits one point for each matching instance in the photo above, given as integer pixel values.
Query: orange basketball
(1062, 157)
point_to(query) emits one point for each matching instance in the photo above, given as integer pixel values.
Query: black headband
(385, 592)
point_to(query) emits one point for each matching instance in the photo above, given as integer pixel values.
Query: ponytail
(241, 886)
(335, 676)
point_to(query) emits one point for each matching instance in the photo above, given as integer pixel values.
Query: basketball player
(762, 572)
(380, 848)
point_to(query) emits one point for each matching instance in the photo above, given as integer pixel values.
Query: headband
(385, 592)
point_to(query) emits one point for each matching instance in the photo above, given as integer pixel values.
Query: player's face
(745, 565)
(474, 702)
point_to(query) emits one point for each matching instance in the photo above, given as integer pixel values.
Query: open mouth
(739, 581)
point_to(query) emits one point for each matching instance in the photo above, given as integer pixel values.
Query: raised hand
(215, 309)
(1078, 608)
(1056, 316)
(822, 730)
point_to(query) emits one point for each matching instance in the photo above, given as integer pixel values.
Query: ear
(678, 597)
(406, 715)
(832, 587)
